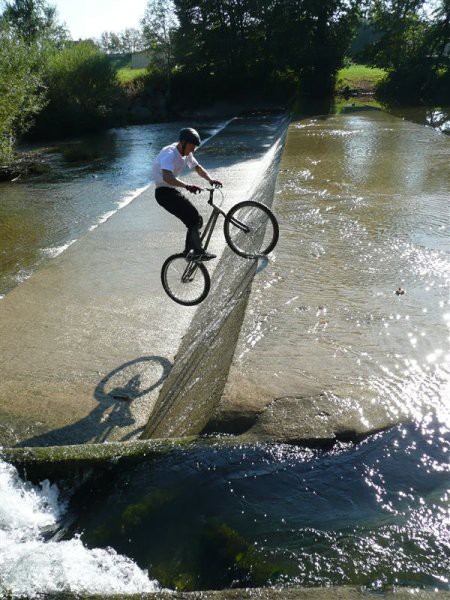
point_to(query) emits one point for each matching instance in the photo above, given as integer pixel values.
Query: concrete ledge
(294, 593)
(192, 390)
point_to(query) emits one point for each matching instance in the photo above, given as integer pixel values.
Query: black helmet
(190, 136)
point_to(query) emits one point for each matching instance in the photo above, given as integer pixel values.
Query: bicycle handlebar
(213, 189)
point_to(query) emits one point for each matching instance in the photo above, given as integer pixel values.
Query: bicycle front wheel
(186, 282)
(251, 229)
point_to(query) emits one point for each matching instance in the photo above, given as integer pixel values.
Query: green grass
(119, 61)
(359, 77)
(126, 74)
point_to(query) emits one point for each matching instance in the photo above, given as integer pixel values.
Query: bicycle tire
(176, 280)
(263, 230)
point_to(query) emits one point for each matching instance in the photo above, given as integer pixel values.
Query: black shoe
(199, 255)
(206, 256)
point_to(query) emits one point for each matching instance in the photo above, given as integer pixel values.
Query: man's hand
(193, 189)
(215, 183)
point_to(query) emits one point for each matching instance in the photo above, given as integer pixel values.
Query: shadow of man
(114, 394)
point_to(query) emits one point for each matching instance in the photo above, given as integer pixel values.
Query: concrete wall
(193, 388)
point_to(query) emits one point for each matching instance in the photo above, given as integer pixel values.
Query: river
(375, 513)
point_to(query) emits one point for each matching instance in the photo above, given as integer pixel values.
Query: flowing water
(355, 302)
(32, 565)
(374, 514)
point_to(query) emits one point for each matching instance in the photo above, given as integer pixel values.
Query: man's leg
(178, 205)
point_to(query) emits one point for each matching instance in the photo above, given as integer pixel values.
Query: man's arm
(203, 173)
(170, 178)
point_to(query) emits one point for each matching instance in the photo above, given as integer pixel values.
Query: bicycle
(251, 231)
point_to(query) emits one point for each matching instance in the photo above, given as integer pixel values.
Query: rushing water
(31, 565)
(89, 180)
(375, 514)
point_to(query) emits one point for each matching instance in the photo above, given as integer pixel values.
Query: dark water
(375, 514)
(437, 118)
(88, 180)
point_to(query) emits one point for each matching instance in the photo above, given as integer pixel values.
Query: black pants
(177, 204)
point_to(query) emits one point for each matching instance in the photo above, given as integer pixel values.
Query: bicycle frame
(216, 211)
(189, 272)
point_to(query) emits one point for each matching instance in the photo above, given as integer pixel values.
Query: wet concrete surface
(193, 389)
(88, 340)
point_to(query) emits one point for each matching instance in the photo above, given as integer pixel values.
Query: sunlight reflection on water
(362, 217)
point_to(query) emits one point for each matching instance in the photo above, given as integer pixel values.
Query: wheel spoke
(185, 282)
(251, 229)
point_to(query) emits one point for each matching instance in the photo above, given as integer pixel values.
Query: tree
(438, 36)
(132, 40)
(401, 26)
(127, 41)
(411, 46)
(81, 84)
(243, 43)
(34, 21)
(21, 90)
(159, 24)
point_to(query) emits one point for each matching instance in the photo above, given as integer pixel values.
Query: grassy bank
(128, 74)
(358, 79)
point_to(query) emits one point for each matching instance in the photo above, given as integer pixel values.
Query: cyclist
(169, 163)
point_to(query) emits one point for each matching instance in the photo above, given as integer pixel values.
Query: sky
(89, 18)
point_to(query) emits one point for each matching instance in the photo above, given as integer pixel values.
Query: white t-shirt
(171, 160)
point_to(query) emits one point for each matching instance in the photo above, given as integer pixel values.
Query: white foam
(23, 275)
(218, 129)
(31, 567)
(52, 252)
(129, 197)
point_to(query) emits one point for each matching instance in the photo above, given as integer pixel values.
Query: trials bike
(251, 230)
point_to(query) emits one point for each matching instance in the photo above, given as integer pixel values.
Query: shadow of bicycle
(115, 395)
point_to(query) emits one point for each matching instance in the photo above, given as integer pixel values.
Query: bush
(82, 88)
(414, 85)
(21, 91)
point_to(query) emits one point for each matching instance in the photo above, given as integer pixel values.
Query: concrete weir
(193, 389)
(87, 342)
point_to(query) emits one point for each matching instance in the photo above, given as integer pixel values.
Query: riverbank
(25, 164)
(358, 81)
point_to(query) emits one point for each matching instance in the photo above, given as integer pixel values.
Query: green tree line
(209, 50)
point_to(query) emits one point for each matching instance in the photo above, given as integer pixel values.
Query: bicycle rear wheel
(186, 282)
(251, 229)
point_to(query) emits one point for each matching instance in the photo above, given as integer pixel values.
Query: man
(169, 163)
